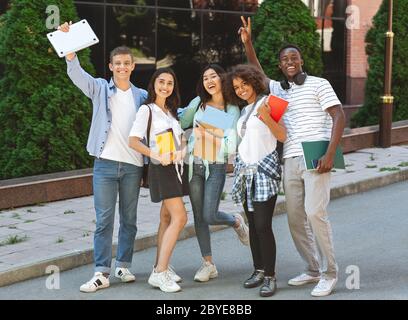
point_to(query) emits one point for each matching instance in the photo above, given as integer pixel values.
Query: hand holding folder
(206, 145)
(216, 121)
(277, 107)
(165, 142)
(314, 150)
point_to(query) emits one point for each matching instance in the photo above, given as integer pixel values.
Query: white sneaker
(124, 274)
(174, 275)
(163, 281)
(302, 279)
(324, 287)
(206, 272)
(99, 281)
(242, 231)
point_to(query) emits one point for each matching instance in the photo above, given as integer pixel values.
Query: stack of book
(212, 128)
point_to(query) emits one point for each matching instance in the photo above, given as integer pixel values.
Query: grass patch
(69, 212)
(223, 195)
(371, 166)
(29, 221)
(16, 216)
(60, 240)
(13, 240)
(389, 169)
(403, 164)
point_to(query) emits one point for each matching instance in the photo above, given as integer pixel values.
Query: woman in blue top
(207, 178)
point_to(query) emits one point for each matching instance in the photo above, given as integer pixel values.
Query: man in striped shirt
(314, 113)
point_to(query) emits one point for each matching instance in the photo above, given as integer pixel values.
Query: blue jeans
(109, 178)
(205, 196)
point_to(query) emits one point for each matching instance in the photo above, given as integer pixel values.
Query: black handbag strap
(149, 125)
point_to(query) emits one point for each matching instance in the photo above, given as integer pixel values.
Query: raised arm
(186, 114)
(84, 81)
(246, 37)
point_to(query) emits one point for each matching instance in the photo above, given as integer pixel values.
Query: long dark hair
(249, 74)
(173, 101)
(203, 93)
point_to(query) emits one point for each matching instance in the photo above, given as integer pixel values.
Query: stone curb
(79, 258)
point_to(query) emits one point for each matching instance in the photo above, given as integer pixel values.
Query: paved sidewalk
(61, 233)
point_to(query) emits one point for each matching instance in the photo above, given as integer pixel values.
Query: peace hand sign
(245, 30)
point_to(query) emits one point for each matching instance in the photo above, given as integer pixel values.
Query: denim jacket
(99, 91)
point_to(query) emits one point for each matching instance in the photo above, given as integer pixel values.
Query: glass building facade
(187, 34)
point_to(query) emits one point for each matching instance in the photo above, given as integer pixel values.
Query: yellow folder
(165, 142)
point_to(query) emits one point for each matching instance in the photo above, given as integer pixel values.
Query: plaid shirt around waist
(256, 182)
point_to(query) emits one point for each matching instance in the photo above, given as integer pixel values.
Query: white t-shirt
(258, 140)
(122, 106)
(160, 122)
(306, 118)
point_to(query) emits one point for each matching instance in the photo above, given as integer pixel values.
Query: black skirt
(164, 183)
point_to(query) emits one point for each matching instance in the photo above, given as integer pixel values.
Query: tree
(369, 113)
(278, 23)
(44, 117)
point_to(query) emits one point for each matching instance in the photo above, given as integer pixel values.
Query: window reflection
(93, 15)
(178, 47)
(221, 42)
(133, 27)
(190, 36)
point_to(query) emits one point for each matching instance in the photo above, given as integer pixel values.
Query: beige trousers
(307, 196)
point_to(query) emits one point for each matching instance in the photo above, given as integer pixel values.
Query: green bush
(375, 49)
(277, 23)
(44, 117)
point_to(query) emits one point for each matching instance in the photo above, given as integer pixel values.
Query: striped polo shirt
(306, 118)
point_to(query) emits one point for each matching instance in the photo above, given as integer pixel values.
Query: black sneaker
(268, 288)
(255, 280)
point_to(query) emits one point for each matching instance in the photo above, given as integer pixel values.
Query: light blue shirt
(192, 113)
(99, 91)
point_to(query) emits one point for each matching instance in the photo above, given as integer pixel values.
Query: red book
(277, 107)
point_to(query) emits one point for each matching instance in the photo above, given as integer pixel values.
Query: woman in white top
(168, 181)
(257, 172)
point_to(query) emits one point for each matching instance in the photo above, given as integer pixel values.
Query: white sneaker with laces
(124, 274)
(163, 281)
(242, 231)
(206, 272)
(324, 287)
(302, 279)
(99, 281)
(174, 275)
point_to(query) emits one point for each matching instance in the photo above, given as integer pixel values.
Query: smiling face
(290, 62)
(164, 85)
(122, 66)
(212, 82)
(244, 90)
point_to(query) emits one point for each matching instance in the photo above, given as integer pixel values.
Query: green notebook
(314, 150)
